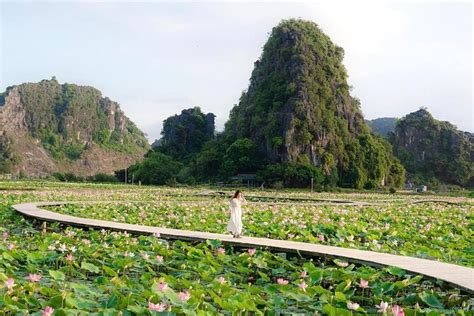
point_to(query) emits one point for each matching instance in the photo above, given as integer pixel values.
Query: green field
(78, 272)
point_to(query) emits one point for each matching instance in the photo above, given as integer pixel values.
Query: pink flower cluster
(156, 307)
(162, 286)
(282, 281)
(34, 277)
(47, 311)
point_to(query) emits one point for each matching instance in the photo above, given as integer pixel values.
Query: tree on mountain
(183, 135)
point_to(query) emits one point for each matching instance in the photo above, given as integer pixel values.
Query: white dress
(235, 222)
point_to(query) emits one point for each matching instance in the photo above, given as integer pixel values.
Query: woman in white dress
(235, 222)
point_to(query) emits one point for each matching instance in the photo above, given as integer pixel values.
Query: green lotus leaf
(57, 275)
(89, 267)
(431, 300)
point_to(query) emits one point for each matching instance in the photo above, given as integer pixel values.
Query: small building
(420, 189)
(248, 179)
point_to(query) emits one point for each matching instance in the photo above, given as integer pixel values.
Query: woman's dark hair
(236, 194)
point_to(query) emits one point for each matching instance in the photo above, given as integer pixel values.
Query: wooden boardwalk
(459, 276)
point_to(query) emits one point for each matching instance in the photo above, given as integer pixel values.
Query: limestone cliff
(298, 109)
(51, 127)
(429, 148)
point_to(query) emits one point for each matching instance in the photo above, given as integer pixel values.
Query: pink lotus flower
(282, 281)
(34, 277)
(397, 311)
(342, 263)
(364, 283)
(156, 307)
(303, 286)
(10, 246)
(69, 258)
(352, 306)
(321, 238)
(382, 307)
(304, 274)
(291, 236)
(184, 296)
(387, 225)
(220, 251)
(47, 311)
(251, 251)
(145, 256)
(9, 283)
(221, 280)
(86, 242)
(162, 286)
(159, 258)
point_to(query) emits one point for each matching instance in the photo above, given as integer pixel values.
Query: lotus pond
(57, 270)
(429, 230)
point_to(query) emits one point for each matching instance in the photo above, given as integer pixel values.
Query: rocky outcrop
(300, 83)
(429, 148)
(298, 107)
(52, 127)
(12, 113)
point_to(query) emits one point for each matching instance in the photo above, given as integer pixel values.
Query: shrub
(103, 178)
(291, 175)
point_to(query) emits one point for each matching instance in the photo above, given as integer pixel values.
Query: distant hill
(185, 134)
(434, 150)
(298, 109)
(382, 126)
(49, 127)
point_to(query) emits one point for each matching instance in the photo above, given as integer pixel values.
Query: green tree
(241, 156)
(183, 135)
(292, 175)
(156, 168)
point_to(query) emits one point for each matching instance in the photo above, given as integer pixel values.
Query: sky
(158, 57)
